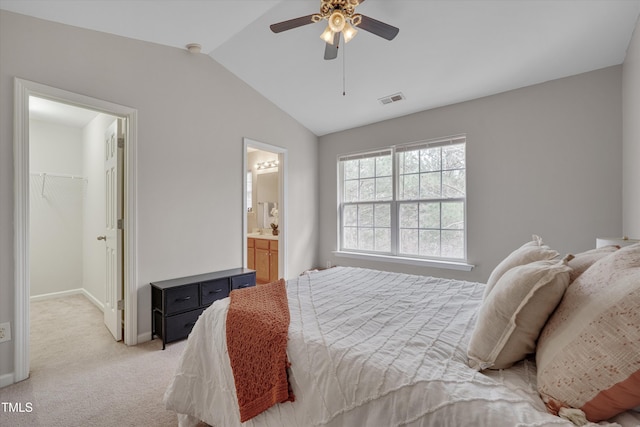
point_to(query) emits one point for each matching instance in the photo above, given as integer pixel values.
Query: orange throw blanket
(257, 329)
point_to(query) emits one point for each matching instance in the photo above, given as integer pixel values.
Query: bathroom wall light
(267, 165)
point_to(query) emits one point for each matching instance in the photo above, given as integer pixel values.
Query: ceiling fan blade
(291, 24)
(331, 50)
(378, 28)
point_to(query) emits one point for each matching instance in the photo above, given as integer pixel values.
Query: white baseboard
(7, 379)
(53, 295)
(70, 292)
(93, 299)
(144, 337)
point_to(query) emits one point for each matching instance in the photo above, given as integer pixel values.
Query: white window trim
(452, 264)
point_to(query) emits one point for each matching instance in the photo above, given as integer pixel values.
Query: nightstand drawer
(243, 281)
(182, 298)
(213, 290)
(180, 325)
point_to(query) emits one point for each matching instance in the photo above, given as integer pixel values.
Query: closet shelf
(44, 176)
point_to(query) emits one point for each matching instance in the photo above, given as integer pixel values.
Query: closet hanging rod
(44, 176)
(57, 175)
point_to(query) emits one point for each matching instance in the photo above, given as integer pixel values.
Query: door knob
(102, 238)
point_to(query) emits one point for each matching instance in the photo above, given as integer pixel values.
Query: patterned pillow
(531, 251)
(588, 353)
(584, 260)
(515, 312)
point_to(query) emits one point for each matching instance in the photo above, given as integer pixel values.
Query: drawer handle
(217, 291)
(245, 285)
(183, 299)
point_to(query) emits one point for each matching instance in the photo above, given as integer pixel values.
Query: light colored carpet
(81, 377)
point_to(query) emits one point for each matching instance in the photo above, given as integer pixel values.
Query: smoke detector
(392, 98)
(194, 47)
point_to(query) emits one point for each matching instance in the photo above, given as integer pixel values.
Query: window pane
(383, 166)
(430, 160)
(409, 162)
(365, 239)
(453, 183)
(409, 187)
(350, 237)
(384, 188)
(382, 216)
(351, 169)
(430, 243)
(367, 167)
(351, 191)
(430, 185)
(408, 215)
(365, 216)
(383, 239)
(409, 241)
(350, 215)
(452, 244)
(430, 215)
(453, 157)
(367, 190)
(453, 215)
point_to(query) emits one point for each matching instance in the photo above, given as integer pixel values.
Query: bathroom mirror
(267, 196)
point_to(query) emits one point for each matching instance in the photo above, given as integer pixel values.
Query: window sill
(449, 265)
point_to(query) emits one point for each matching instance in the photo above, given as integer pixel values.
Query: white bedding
(367, 348)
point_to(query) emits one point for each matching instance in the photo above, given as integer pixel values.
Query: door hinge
(120, 142)
(120, 305)
(120, 225)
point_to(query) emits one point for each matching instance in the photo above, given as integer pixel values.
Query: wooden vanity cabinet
(265, 260)
(251, 253)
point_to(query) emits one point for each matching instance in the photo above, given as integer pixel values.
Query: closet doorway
(264, 210)
(75, 202)
(75, 216)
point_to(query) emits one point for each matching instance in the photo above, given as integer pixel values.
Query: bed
(368, 348)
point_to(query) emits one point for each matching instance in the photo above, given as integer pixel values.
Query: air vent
(392, 98)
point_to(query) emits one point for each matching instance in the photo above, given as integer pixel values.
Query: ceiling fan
(342, 19)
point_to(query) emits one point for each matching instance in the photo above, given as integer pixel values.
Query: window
(249, 191)
(406, 201)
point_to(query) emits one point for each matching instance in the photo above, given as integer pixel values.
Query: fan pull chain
(344, 66)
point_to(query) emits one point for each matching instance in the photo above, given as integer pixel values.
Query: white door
(113, 234)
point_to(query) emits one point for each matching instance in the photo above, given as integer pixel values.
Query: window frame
(394, 254)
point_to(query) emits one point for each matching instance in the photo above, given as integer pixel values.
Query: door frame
(282, 202)
(22, 90)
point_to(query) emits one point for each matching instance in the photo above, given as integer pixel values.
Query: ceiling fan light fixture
(337, 21)
(349, 32)
(327, 35)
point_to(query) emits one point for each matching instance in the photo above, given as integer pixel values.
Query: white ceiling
(447, 51)
(57, 112)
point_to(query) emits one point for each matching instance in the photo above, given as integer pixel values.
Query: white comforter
(367, 348)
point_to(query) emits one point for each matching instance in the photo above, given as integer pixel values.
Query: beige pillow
(515, 312)
(588, 354)
(584, 260)
(531, 251)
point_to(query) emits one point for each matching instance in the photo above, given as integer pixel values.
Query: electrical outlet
(5, 332)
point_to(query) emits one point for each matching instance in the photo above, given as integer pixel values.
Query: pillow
(588, 354)
(529, 252)
(515, 312)
(584, 260)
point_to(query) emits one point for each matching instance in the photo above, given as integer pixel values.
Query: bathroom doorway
(264, 210)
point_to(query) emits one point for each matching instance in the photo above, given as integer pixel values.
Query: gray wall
(192, 117)
(545, 159)
(631, 130)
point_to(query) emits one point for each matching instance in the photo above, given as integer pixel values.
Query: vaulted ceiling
(447, 51)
